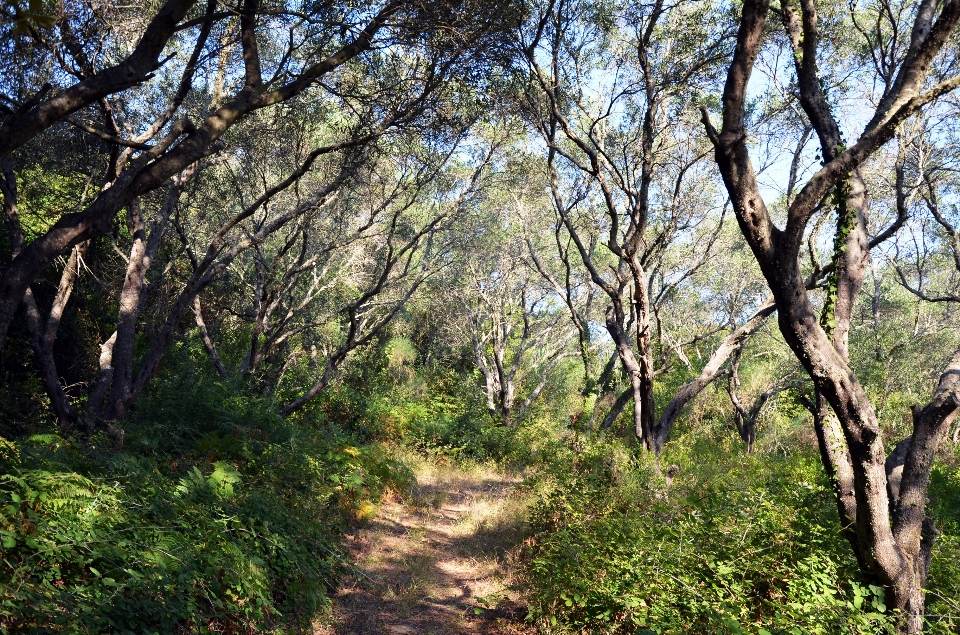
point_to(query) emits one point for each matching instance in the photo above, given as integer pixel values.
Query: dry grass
(428, 561)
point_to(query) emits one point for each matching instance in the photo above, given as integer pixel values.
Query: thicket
(735, 544)
(216, 515)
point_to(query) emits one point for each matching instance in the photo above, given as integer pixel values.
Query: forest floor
(439, 561)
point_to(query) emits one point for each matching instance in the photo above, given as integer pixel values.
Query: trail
(425, 563)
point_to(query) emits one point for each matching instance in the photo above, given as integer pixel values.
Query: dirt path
(427, 562)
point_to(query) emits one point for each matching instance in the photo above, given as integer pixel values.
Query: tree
(410, 239)
(322, 43)
(516, 327)
(744, 417)
(388, 91)
(881, 499)
(621, 159)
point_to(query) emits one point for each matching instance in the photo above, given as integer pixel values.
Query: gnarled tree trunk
(892, 535)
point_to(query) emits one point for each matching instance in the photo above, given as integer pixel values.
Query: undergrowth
(216, 515)
(735, 544)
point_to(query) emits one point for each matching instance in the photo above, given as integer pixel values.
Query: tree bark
(207, 340)
(894, 546)
(642, 397)
(143, 251)
(691, 389)
(94, 408)
(644, 383)
(43, 336)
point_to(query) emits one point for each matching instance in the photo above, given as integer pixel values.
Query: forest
(456, 316)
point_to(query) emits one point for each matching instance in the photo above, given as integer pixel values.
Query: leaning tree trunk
(691, 389)
(208, 342)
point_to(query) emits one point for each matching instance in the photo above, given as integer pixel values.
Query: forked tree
(626, 180)
(881, 498)
(517, 331)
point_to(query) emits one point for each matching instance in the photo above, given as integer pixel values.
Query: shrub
(217, 516)
(747, 545)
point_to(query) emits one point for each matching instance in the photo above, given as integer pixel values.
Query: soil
(439, 561)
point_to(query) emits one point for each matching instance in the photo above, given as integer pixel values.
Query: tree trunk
(94, 408)
(507, 399)
(44, 336)
(644, 379)
(143, 251)
(837, 464)
(130, 295)
(640, 382)
(891, 548)
(691, 389)
(617, 408)
(207, 340)
(59, 402)
(601, 387)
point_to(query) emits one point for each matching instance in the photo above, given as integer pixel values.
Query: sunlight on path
(427, 562)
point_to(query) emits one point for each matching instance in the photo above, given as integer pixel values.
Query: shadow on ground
(438, 562)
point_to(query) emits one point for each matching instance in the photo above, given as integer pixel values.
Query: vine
(846, 223)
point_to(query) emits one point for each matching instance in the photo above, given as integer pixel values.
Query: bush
(747, 545)
(217, 516)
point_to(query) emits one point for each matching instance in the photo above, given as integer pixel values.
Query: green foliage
(44, 196)
(400, 352)
(216, 516)
(943, 586)
(734, 549)
(443, 419)
(466, 436)
(30, 18)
